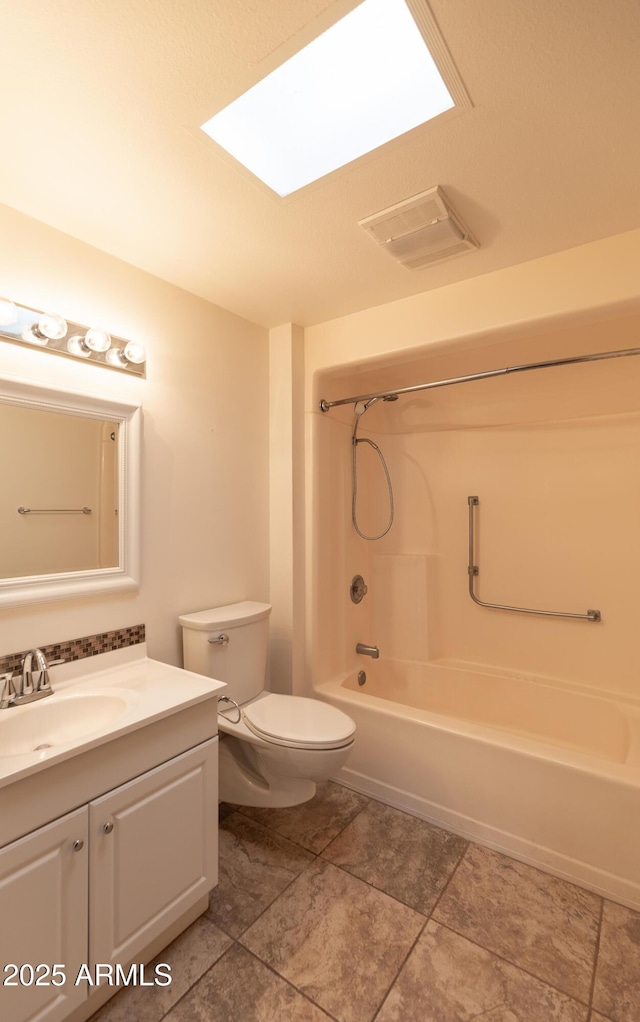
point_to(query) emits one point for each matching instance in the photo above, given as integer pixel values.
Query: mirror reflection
(59, 492)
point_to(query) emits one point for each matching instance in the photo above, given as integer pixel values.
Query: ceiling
(101, 104)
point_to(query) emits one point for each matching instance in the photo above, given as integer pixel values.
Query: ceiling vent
(420, 231)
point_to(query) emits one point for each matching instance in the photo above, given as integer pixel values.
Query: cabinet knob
(108, 827)
(77, 844)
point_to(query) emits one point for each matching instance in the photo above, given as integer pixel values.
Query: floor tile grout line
(471, 844)
(195, 983)
(270, 830)
(278, 895)
(422, 929)
(507, 961)
(271, 903)
(433, 826)
(299, 843)
(287, 981)
(596, 955)
(399, 970)
(380, 890)
(236, 943)
(316, 857)
(453, 873)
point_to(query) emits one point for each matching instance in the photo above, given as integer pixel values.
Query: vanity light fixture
(51, 332)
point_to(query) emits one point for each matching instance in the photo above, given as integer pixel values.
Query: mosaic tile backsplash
(77, 649)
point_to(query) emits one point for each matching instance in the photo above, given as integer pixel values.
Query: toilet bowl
(273, 748)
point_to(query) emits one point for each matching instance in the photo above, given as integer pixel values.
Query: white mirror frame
(67, 585)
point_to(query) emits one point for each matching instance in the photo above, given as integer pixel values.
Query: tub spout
(371, 651)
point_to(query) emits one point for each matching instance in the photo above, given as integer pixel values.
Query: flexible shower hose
(354, 517)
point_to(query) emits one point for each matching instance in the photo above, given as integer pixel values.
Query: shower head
(360, 407)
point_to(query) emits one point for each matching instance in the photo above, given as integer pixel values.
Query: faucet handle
(42, 681)
(43, 684)
(7, 690)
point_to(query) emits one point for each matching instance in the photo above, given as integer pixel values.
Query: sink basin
(57, 720)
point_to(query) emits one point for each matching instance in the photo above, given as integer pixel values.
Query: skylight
(366, 80)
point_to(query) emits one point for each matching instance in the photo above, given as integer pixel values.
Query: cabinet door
(43, 920)
(153, 853)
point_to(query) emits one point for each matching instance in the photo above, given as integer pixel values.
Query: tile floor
(346, 909)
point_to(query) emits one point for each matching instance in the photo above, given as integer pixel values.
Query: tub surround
(521, 731)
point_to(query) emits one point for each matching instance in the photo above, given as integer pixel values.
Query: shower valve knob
(358, 589)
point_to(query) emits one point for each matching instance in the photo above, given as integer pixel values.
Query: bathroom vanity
(108, 828)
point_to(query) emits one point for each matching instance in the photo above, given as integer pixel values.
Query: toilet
(273, 748)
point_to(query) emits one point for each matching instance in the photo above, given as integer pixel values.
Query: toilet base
(241, 783)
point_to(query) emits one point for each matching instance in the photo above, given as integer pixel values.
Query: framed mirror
(69, 494)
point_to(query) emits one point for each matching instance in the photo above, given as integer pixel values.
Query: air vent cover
(420, 231)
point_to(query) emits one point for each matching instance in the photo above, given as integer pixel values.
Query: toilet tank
(242, 661)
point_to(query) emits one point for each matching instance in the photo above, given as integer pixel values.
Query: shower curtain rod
(624, 352)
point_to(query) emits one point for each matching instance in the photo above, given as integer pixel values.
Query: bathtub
(546, 772)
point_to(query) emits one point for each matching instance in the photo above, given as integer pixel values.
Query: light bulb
(77, 346)
(97, 340)
(134, 353)
(32, 336)
(131, 354)
(8, 312)
(51, 326)
(115, 357)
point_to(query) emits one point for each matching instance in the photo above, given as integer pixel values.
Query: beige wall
(552, 455)
(205, 484)
(286, 458)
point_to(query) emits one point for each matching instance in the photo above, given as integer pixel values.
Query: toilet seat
(298, 722)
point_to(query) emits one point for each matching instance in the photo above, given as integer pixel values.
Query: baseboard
(583, 874)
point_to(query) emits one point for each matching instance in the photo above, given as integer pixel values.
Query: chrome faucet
(33, 683)
(371, 651)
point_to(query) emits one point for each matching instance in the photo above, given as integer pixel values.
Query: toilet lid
(299, 722)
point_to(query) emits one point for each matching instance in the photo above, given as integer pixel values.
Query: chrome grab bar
(474, 571)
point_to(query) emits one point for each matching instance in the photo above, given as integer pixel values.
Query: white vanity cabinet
(152, 853)
(102, 884)
(43, 919)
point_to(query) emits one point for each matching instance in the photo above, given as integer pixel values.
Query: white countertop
(137, 690)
